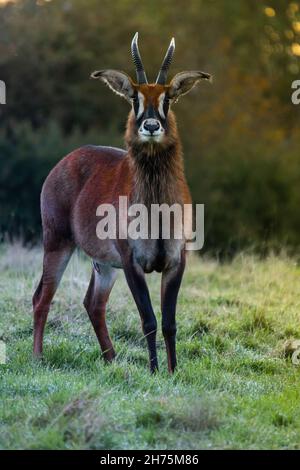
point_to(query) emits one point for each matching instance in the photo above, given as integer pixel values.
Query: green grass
(235, 386)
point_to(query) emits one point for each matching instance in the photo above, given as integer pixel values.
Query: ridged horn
(162, 74)
(140, 72)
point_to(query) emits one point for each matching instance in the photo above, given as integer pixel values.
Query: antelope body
(150, 171)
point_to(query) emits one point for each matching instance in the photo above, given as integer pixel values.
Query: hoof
(109, 355)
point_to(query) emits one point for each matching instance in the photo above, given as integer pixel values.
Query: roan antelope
(149, 171)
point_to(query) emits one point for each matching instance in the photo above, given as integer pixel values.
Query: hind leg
(101, 283)
(54, 264)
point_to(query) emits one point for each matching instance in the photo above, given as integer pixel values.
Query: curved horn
(162, 74)
(140, 72)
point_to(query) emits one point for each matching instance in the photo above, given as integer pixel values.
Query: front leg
(136, 281)
(170, 284)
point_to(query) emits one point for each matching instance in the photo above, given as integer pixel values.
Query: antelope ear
(117, 81)
(183, 82)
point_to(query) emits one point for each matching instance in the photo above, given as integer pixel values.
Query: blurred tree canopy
(240, 136)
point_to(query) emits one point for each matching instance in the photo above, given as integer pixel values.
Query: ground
(236, 386)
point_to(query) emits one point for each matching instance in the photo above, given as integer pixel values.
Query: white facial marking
(161, 105)
(141, 104)
(145, 134)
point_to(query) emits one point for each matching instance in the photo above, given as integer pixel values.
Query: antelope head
(149, 120)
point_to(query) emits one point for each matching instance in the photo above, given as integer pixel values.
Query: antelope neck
(157, 173)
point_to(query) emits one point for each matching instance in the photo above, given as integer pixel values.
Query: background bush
(240, 136)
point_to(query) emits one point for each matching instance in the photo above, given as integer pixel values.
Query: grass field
(235, 386)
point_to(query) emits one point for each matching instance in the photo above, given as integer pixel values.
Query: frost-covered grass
(234, 388)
